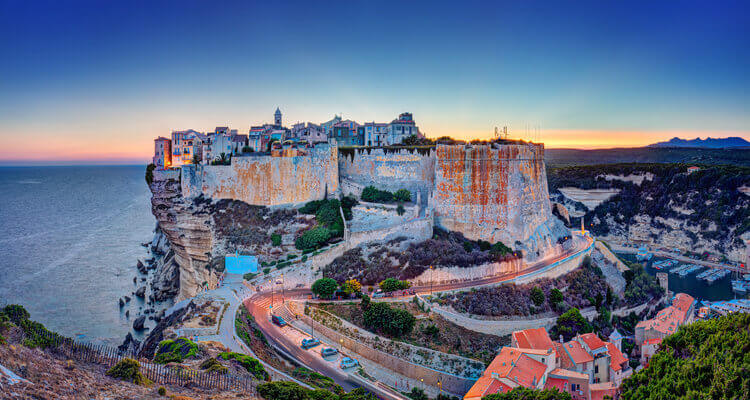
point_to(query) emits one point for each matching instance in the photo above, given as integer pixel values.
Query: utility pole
(431, 279)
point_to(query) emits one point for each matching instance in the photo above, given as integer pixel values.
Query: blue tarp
(239, 264)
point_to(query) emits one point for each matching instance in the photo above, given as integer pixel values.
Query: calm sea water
(71, 239)
(690, 284)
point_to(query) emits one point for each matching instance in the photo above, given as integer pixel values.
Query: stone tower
(277, 117)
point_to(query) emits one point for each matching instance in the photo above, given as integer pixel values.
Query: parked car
(348, 362)
(310, 343)
(278, 320)
(328, 351)
(378, 294)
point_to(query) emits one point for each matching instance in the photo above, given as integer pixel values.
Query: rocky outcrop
(186, 229)
(151, 342)
(559, 211)
(166, 280)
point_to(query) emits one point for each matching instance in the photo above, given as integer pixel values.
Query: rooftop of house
(655, 341)
(667, 320)
(599, 390)
(514, 364)
(616, 358)
(577, 353)
(533, 339)
(486, 385)
(592, 341)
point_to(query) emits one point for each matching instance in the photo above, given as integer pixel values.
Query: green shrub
(162, 391)
(291, 256)
(213, 365)
(381, 317)
(276, 239)
(393, 284)
(36, 334)
(522, 393)
(537, 296)
(129, 370)
(175, 350)
(304, 258)
(266, 270)
(325, 287)
(317, 380)
(313, 238)
(252, 365)
(400, 210)
(249, 276)
(555, 296)
(282, 390)
(375, 195)
(402, 195)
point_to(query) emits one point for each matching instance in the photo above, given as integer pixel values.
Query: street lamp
(282, 288)
(270, 281)
(341, 345)
(431, 280)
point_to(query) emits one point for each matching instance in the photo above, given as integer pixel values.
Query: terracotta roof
(533, 339)
(556, 383)
(669, 319)
(652, 341)
(527, 371)
(511, 363)
(568, 373)
(577, 353)
(563, 356)
(592, 341)
(615, 356)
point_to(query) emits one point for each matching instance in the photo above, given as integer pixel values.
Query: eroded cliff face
(186, 226)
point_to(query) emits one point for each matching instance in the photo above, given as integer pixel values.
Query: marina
(711, 275)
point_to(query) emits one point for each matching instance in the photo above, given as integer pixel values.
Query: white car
(348, 362)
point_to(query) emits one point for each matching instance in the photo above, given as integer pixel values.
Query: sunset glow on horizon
(98, 87)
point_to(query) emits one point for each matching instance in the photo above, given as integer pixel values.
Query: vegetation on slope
(252, 365)
(175, 351)
(444, 249)
(707, 199)
(129, 370)
(522, 393)
(283, 390)
(35, 333)
(581, 288)
(705, 360)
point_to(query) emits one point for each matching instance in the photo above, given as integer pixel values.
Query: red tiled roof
(668, 319)
(533, 339)
(513, 364)
(563, 356)
(592, 340)
(527, 371)
(652, 341)
(577, 353)
(555, 383)
(615, 356)
(599, 390)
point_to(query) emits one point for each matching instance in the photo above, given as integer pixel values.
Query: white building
(218, 142)
(376, 134)
(402, 128)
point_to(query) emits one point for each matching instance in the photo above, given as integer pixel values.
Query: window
(596, 369)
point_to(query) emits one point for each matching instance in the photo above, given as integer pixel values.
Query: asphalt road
(258, 306)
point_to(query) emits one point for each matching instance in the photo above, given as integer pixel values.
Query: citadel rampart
(268, 180)
(496, 193)
(388, 169)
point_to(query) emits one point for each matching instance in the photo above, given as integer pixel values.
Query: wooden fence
(158, 373)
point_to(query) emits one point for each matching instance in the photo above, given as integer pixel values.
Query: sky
(97, 81)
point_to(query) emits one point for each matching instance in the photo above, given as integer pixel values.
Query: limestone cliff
(188, 232)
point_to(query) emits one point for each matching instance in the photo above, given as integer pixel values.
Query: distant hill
(708, 143)
(570, 157)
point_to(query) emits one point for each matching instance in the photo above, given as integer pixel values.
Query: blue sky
(98, 80)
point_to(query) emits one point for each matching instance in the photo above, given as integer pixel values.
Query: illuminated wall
(279, 179)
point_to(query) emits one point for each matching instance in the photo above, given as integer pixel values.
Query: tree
(313, 238)
(704, 360)
(365, 302)
(375, 195)
(417, 394)
(247, 149)
(358, 394)
(276, 239)
(402, 195)
(351, 286)
(325, 287)
(195, 159)
(400, 209)
(382, 318)
(282, 390)
(393, 284)
(570, 324)
(537, 296)
(555, 296)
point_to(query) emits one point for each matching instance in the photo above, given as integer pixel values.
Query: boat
(740, 286)
(643, 254)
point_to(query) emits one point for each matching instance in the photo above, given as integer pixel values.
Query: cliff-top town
(375, 201)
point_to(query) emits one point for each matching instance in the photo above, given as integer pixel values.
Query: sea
(71, 238)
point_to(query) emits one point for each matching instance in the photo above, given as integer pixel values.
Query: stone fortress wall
(388, 169)
(282, 178)
(496, 193)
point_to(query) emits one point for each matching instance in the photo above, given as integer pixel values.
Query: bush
(162, 391)
(365, 302)
(175, 350)
(313, 238)
(150, 173)
(374, 195)
(282, 390)
(252, 365)
(392, 284)
(351, 286)
(266, 270)
(570, 324)
(382, 318)
(325, 287)
(555, 296)
(249, 276)
(317, 380)
(213, 365)
(522, 393)
(402, 195)
(537, 296)
(276, 240)
(417, 394)
(128, 370)
(247, 149)
(400, 210)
